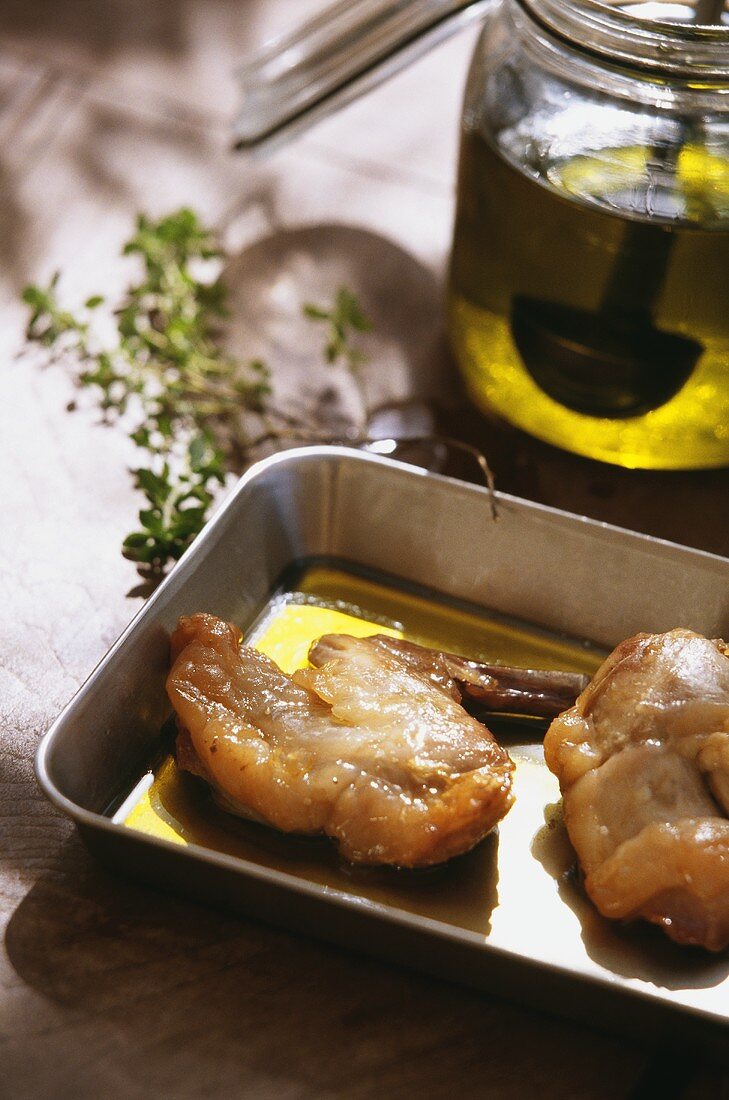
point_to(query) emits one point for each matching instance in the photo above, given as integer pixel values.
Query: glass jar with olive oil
(589, 280)
(588, 294)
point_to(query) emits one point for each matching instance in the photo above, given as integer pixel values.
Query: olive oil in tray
(324, 597)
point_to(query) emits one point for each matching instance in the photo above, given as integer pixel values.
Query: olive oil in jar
(589, 301)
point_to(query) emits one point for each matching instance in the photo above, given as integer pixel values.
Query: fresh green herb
(342, 320)
(183, 398)
(188, 406)
(178, 506)
(48, 323)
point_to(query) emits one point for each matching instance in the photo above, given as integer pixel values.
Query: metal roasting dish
(510, 917)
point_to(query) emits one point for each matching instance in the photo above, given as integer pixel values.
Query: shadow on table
(98, 32)
(174, 992)
(55, 43)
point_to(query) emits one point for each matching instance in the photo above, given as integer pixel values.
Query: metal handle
(335, 57)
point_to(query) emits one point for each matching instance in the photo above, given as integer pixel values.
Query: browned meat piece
(497, 688)
(364, 748)
(643, 764)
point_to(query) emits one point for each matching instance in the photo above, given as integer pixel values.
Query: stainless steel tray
(560, 572)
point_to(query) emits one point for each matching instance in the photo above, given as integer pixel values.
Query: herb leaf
(345, 317)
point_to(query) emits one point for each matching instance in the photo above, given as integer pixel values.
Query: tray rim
(98, 822)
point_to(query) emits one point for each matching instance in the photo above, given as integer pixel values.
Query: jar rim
(677, 49)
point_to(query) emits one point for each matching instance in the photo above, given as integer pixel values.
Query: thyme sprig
(164, 374)
(343, 320)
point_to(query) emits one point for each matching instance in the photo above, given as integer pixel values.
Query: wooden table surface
(107, 989)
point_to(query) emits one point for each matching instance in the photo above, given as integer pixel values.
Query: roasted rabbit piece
(365, 748)
(494, 688)
(643, 764)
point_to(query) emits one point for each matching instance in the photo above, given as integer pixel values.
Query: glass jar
(588, 292)
(589, 281)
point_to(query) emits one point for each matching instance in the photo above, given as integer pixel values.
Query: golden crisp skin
(364, 749)
(643, 764)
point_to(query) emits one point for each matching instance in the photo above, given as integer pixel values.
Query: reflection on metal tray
(509, 916)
